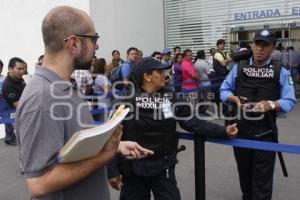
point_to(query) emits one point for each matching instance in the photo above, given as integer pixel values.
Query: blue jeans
(9, 128)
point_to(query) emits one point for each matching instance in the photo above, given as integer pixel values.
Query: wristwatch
(272, 105)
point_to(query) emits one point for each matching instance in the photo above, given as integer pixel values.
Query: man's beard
(79, 62)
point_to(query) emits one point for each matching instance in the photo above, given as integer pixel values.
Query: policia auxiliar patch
(290, 80)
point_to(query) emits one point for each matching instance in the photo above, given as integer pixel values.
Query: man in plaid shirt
(83, 81)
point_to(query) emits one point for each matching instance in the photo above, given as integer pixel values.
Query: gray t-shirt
(49, 113)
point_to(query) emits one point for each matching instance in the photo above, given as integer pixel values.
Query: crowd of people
(168, 88)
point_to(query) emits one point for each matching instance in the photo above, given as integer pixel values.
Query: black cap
(266, 36)
(148, 64)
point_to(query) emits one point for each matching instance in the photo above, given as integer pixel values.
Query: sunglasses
(94, 38)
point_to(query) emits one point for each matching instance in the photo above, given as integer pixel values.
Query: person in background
(102, 88)
(203, 70)
(140, 55)
(221, 66)
(127, 66)
(12, 89)
(9, 138)
(211, 57)
(156, 55)
(26, 76)
(176, 50)
(83, 81)
(178, 71)
(166, 56)
(115, 62)
(291, 60)
(14, 84)
(190, 77)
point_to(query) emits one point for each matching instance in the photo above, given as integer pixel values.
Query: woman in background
(177, 71)
(102, 88)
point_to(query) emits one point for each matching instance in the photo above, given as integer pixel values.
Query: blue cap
(166, 51)
(266, 36)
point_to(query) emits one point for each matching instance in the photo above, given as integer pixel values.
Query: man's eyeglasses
(94, 38)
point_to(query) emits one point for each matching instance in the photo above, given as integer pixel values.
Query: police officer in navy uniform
(152, 123)
(261, 89)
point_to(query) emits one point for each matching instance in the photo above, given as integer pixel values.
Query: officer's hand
(236, 100)
(232, 130)
(262, 106)
(115, 182)
(132, 150)
(239, 101)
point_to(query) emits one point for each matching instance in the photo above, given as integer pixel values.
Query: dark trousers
(139, 187)
(9, 128)
(256, 168)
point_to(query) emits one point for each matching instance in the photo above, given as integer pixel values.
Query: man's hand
(235, 99)
(240, 101)
(232, 131)
(262, 106)
(115, 182)
(132, 150)
(111, 146)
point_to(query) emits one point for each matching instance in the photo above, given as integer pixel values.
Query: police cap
(266, 36)
(148, 64)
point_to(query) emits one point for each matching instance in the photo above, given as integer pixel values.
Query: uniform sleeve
(195, 124)
(228, 86)
(40, 138)
(287, 99)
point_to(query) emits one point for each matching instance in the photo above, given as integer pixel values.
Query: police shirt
(287, 98)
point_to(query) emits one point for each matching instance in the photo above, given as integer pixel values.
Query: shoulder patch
(290, 80)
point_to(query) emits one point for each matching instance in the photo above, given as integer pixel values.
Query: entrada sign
(258, 14)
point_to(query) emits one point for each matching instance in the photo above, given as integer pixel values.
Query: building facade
(198, 24)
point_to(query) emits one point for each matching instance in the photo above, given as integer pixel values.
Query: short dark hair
(220, 41)
(12, 62)
(115, 51)
(1, 63)
(155, 53)
(131, 49)
(176, 47)
(186, 51)
(100, 66)
(200, 55)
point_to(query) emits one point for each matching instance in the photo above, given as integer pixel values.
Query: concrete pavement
(221, 174)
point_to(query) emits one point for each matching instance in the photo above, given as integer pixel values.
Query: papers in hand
(89, 142)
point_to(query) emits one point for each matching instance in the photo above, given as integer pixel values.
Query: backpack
(116, 74)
